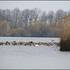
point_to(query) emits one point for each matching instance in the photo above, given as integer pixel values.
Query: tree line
(30, 22)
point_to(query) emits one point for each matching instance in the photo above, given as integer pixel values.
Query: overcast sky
(43, 5)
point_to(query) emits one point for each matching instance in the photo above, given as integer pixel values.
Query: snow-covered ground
(30, 57)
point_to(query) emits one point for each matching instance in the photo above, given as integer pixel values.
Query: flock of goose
(30, 43)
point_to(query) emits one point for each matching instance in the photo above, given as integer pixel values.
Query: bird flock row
(30, 43)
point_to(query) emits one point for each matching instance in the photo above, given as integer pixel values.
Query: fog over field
(32, 18)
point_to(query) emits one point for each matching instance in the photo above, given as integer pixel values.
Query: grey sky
(43, 5)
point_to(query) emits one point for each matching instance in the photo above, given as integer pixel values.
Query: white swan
(36, 45)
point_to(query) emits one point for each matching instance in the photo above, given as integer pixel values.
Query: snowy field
(30, 57)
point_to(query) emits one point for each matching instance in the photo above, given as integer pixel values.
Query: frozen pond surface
(30, 57)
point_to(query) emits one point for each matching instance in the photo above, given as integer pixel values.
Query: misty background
(32, 18)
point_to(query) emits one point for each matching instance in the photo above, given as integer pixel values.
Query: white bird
(36, 45)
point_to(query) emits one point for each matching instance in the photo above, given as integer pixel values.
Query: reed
(65, 35)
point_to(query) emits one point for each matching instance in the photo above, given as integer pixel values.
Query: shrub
(65, 45)
(65, 35)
